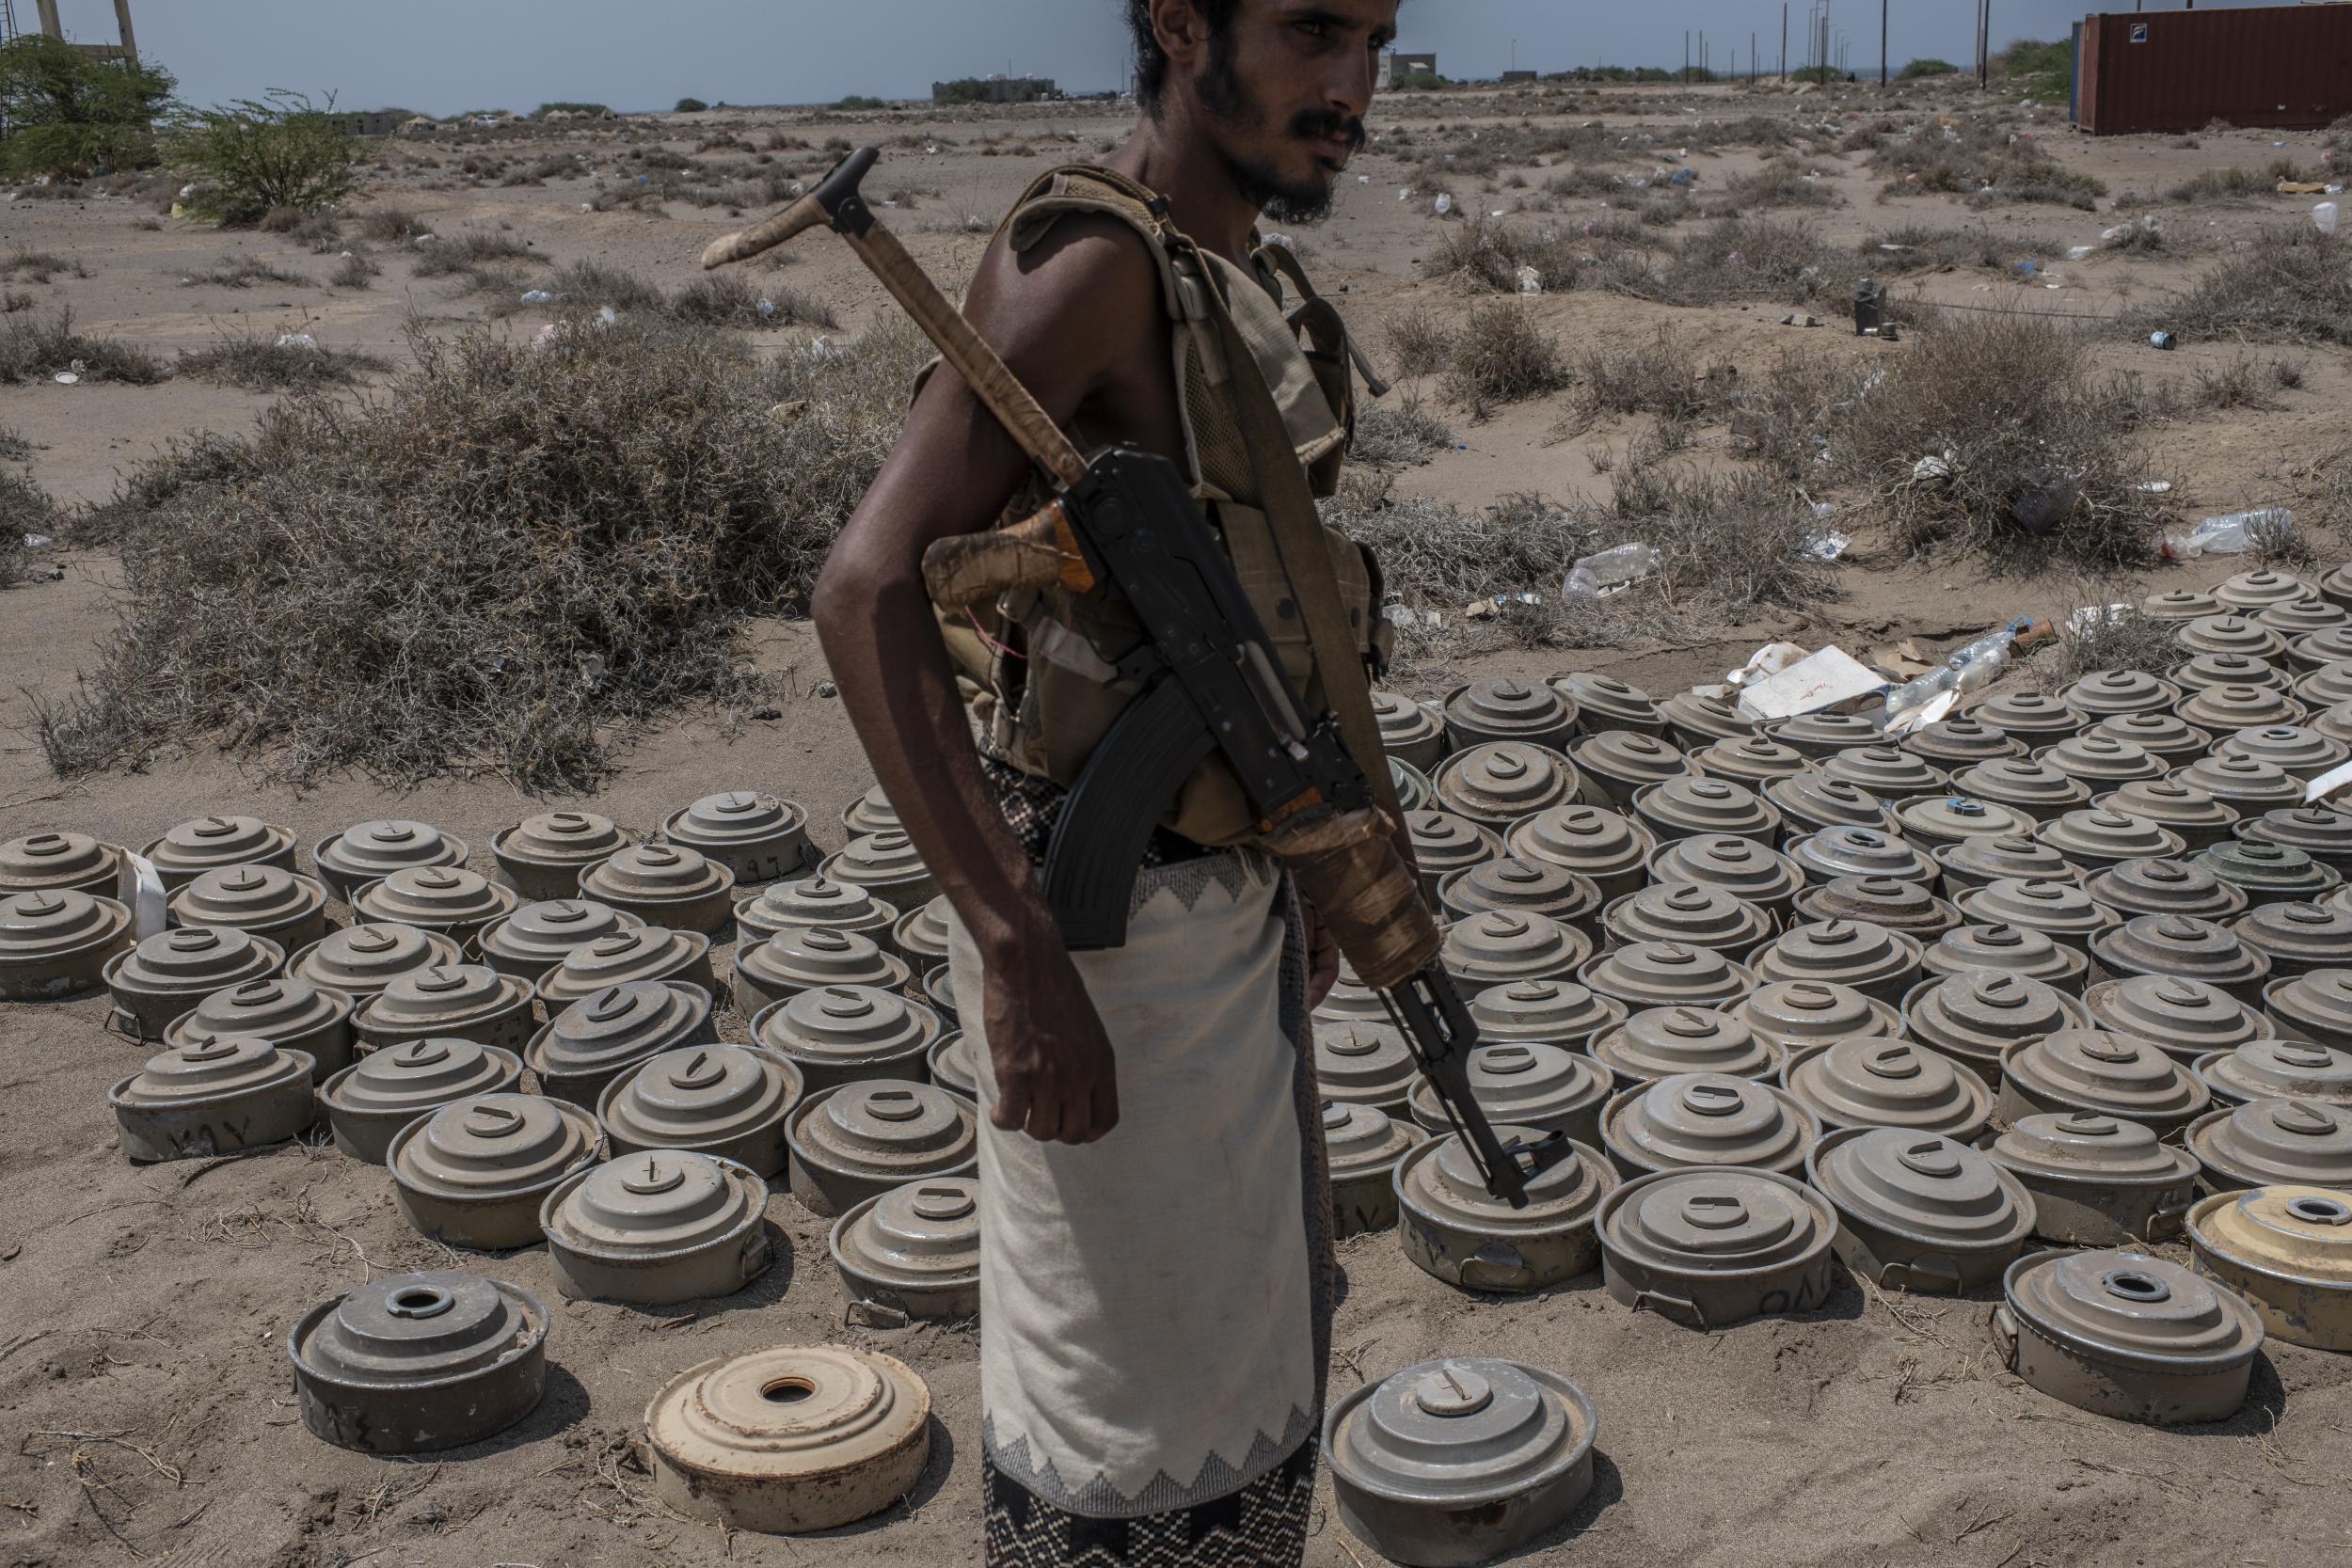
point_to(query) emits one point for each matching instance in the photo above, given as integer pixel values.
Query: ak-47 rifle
(1125, 524)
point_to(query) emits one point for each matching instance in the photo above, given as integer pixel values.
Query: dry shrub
(32, 345)
(1781, 185)
(321, 233)
(2291, 284)
(1925, 249)
(1438, 558)
(2221, 184)
(1740, 258)
(1503, 356)
(728, 299)
(1490, 255)
(2114, 639)
(40, 266)
(453, 253)
(512, 557)
(1661, 377)
(242, 272)
(390, 225)
(25, 507)
(593, 283)
(357, 272)
(2038, 449)
(1419, 342)
(276, 362)
(2239, 384)
(1399, 431)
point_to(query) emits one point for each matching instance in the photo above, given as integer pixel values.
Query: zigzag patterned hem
(1264, 1524)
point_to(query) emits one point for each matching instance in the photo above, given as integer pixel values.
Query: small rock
(768, 713)
(827, 689)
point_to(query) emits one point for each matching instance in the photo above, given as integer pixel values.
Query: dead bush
(1419, 342)
(40, 266)
(1736, 259)
(1491, 255)
(2220, 184)
(357, 272)
(510, 559)
(1781, 185)
(1919, 248)
(1503, 356)
(1437, 558)
(241, 272)
(1661, 377)
(321, 233)
(593, 283)
(32, 345)
(25, 509)
(2290, 284)
(2239, 384)
(475, 247)
(1398, 431)
(276, 362)
(728, 299)
(390, 225)
(1992, 434)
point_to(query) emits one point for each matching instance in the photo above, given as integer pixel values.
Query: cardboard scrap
(1828, 681)
(1904, 659)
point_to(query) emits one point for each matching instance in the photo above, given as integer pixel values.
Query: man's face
(1287, 85)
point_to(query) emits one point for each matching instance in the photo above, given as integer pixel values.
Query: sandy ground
(148, 1409)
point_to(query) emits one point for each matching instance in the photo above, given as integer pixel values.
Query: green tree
(689, 106)
(69, 113)
(252, 155)
(1919, 68)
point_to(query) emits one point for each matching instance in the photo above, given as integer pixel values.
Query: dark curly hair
(1150, 60)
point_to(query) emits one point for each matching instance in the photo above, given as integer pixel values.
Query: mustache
(1311, 124)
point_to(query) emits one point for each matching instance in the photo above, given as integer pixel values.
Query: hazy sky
(444, 56)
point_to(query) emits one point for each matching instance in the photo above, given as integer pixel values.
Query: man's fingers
(1105, 1107)
(1012, 1110)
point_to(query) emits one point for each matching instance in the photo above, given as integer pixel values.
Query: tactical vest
(1038, 669)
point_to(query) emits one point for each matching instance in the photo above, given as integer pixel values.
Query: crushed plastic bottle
(2325, 215)
(2233, 534)
(1609, 572)
(1967, 668)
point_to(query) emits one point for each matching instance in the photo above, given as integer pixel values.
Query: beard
(1285, 201)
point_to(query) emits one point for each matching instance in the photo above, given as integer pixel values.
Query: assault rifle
(1125, 524)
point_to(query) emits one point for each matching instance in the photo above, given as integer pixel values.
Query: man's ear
(1182, 32)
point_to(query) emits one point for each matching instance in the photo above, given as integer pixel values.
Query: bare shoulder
(1089, 289)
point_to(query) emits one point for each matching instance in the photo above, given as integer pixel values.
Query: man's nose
(1349, 90)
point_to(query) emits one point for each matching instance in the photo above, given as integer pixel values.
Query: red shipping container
(2284, 66)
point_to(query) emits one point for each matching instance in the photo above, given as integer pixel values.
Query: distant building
(420, 126)
(1395, 65)
(375, 122)
(993, 89)
(1511, 78)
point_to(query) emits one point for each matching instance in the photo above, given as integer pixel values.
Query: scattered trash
(1827, 546)
(423, 240)
(1830, 679)
(1905, 659)
(2302, 187)
(767, 309)
(2077, 252)
(66, 378)
(2093, 617)
(537, 296)
(1445, 205)
(2231, 533)
(1531, 281)
(608, 316)
(2027, 267)
(38, 541)
(1363, 179)
(1610, 572)
(2044, 501)
(297, 339)
(1932, 467)
(2155, 486)
(1869, 306)
(821, 348)
(2324, 216)
(1770, 660)
(2164, 340)
(1966, 669)
(827, 690)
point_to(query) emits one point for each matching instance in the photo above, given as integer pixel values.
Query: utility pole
(1882, 45)
(1753, 71)
(1784, 42)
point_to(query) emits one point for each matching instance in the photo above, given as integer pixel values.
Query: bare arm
(1074, 319)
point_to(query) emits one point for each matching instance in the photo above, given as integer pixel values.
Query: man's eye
(1314, 29)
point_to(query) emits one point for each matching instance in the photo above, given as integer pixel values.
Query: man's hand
(1056, 1076)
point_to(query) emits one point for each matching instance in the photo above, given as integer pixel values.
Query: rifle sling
(1299, 539)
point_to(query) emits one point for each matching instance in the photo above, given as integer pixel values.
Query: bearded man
(1156, 1233)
